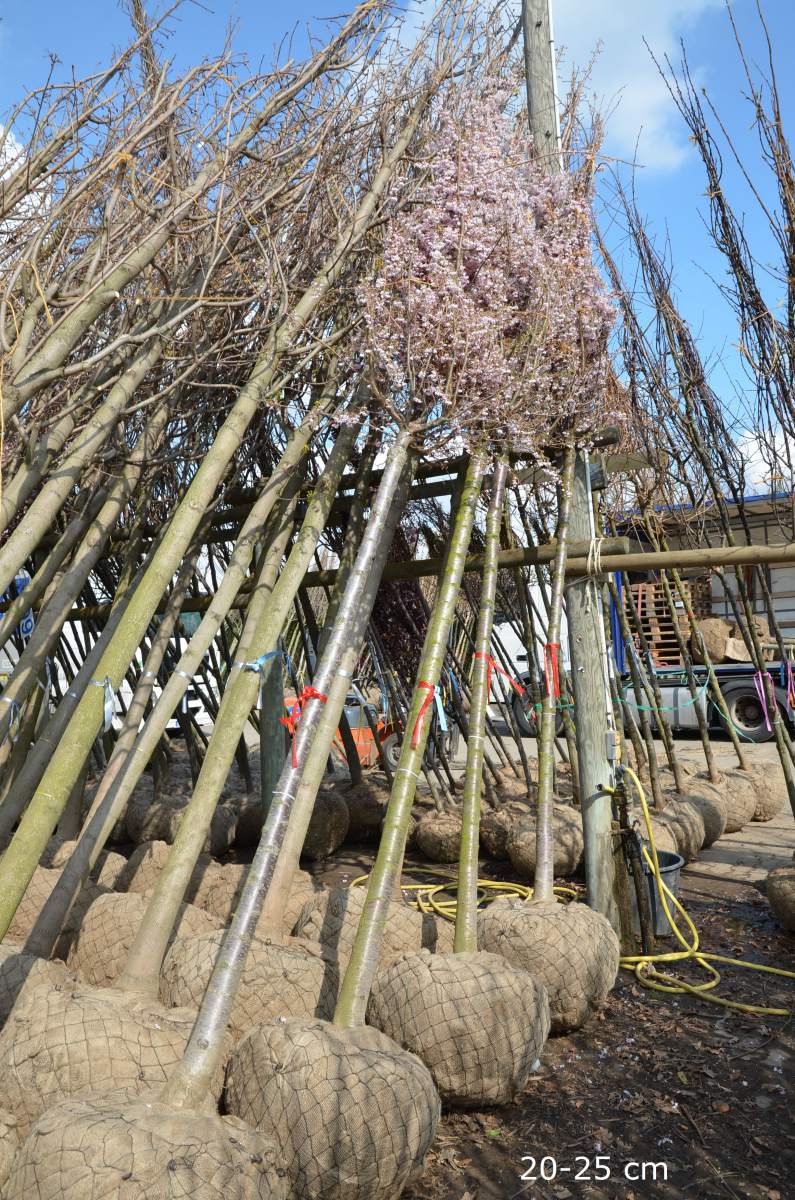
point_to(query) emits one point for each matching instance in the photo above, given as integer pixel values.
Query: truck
(737, 683)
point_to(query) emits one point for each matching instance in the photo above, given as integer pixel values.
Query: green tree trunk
(358, 979)
(41, 817)
(261, 633)
(290, 812)
(542, 887)
(111, 797)
(466, 921)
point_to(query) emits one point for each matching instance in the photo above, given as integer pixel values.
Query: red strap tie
(551, 669)
(415, 737)
(493, 665)
(294, 714)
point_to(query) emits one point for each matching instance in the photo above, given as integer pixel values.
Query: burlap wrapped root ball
(510, 786)
(106, 872)
(495, 825)
(9, 1143)
(36, 896)
(68, 1041)
(686, 824)
(438, 836)
(119, 1146)
(569, 948)
(100, 947)
(367, 803)
(333, 921)
(16, 968)
(663, 834)
(568, 843)
(739, 792)
(712, 807)
(352, 1112)
(158, 820)
(771, 793)
(147, 861)
(780, 888)
(220, 897)
(328, 827)
(477, 1022)
(249, 816)
(281, 978)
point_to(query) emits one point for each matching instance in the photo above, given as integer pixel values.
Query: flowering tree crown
(487, 320)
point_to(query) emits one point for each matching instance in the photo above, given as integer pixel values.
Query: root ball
(63, 1042)
(352, 1112)
(771, 794)
(687, 826)
(107, 869)
(101, 945)
(151, 820)
(333, 922)
(569, 948)
(438, 836)
(9, 1143)
(367, 804)
(712, 809)
(567, 838)
(780, 889)
(36, 896)
(477, 1022)
(328, 827)
(511, 786)
(740, 794)
(146, 862)
(122, 1147)
(494, 828)
(279, 980)
(17, 967)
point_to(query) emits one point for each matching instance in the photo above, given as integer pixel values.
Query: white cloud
(643, 118)
(643, 123)
(769, 461)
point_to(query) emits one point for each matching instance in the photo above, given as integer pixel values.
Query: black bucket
(670, 866)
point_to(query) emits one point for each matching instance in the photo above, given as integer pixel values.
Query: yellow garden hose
(440, 898)
(644, 964)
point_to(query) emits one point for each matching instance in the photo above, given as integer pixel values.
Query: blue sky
(643, 123)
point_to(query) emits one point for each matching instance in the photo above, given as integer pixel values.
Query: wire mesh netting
(67, 1041)
(569, 948)
(118, 1144)
(476, 1022)
(567, 842)
(294, 979)
(100, 947)
(334, 919)
(353, 1113)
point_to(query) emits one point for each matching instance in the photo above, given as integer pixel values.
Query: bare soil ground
(653, 1079)
(658, 1095)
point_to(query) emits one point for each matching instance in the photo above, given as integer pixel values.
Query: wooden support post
(540, 75)
(590, 715)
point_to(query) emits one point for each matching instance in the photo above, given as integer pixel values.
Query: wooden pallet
(657, 620)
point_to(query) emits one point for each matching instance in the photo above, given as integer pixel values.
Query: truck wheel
(747, 715)
(525, 716)
(391, 748)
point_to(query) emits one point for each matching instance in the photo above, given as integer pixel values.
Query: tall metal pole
(593, 713)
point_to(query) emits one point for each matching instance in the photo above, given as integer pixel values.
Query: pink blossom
(487, 320)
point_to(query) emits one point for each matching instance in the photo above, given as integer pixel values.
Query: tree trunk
(542, 887)
(466, 921)
(363, 963)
